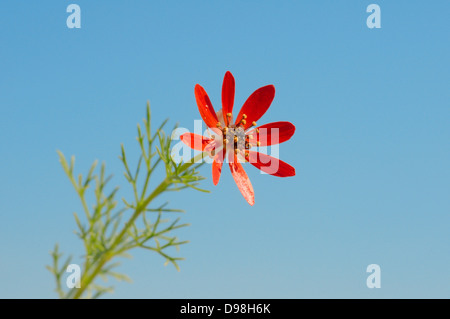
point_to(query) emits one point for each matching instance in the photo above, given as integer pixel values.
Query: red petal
(227, 95)
(256, 105)
(205, 106)
(217, 166)
(195, 141)
(272, 133)
(270, 165)
(242, 181)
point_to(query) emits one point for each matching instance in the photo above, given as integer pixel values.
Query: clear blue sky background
(371, 150)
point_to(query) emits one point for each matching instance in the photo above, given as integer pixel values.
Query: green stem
(193, 161)
(89, 276)
(85, 282)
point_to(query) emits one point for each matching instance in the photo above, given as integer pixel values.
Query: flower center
(234, 137)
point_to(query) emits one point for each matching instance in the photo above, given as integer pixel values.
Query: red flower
(236, 139)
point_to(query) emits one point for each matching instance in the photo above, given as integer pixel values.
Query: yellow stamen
(226, 141)
(236, 151)
(229, 115)
(258, 143)
(257, 130)
(244, 116)
(243, 122)
(235, 138)
(218, 125)
(254, 123)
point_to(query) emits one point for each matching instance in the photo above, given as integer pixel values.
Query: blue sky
(371, 149)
